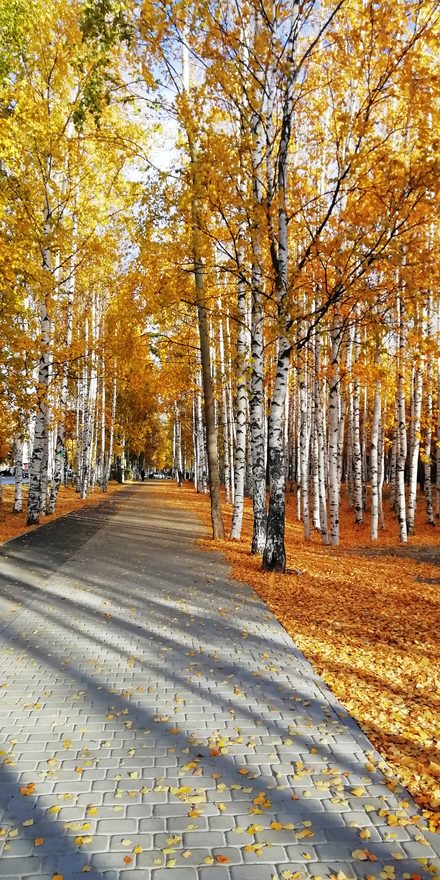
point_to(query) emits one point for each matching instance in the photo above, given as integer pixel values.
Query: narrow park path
(157, 721)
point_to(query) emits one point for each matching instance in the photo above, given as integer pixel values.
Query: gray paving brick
(341, 850)
(269, 854)
(203, 838)
(113, 826)
(18, 848)
(181, 823)
(214, 872)
(19, 867)
(256, 872)
(416, 850)
(187, 873)
(167, 659)
(117, 841)
(221, 823)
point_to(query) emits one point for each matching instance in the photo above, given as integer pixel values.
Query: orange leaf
(222, 859)
(372, 858)
(127, 860)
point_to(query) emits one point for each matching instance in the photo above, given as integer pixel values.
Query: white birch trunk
(78, 434)
(38, 463)
(428, 415)
(357, 451)
(112, 424)
(382, 471)
(341, 435)
(334, 430)
(89, 431)
(274, 556)
(437, 484)
(232, 433)
(59, 463)
(122, 459)
(364, 437)
(393, 460)
(314, 476)
(313, 448)
(292, 437)
(349, 476)
(256, 406)
(414, 458)
(304, 446)
(18, 482)
(374, 455)
(256, 397)
(298, 456)
(178, 466)
(195, 445)
(320, 440)
(202, 484)
(103, 463)
(241, 411)
(224, 407)
(401, 429)
(411, 418)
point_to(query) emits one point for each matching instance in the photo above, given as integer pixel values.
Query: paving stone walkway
(157, 722)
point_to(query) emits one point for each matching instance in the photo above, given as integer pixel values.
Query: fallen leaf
(360, 854)
(28, 789)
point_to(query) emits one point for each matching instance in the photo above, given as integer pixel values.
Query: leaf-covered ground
(368, 618)
(14, 524)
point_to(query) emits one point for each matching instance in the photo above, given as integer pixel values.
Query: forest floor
(368, 618)
(14, 524)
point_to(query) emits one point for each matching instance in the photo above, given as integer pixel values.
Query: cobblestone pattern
(158, 722)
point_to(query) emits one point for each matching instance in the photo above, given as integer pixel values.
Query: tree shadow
(121, 685)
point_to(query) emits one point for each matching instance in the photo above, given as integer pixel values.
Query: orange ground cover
(369, 620)
(14, 524)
